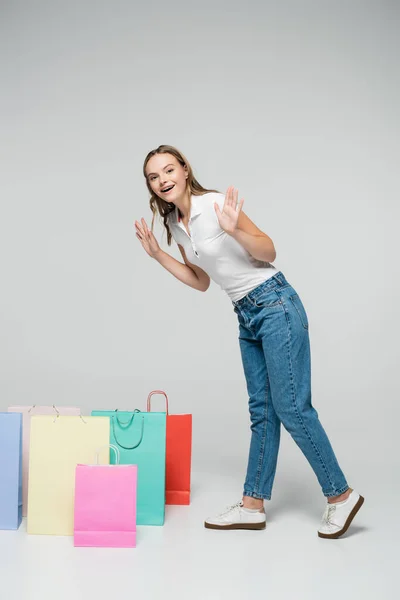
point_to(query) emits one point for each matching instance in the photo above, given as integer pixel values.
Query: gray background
(296, 105)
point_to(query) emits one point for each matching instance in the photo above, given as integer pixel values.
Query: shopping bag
(105, 505)
(10, 470)
(141, 439)
(57, 445)
(178, 455)
(27, 413)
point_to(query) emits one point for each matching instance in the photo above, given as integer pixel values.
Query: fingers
(138, 227)
(231, 198)
(145, 236)
(144, 224)
(140, 236)
(227, 197)
(235, 195)
(142, 228)
(226, 201)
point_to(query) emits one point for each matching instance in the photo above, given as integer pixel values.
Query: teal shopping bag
(141, 440)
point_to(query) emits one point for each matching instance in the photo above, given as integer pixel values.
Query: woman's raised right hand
(147, 239)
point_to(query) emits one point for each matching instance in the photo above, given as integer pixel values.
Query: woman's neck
(183, 205)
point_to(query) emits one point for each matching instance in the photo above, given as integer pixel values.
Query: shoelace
(329, 511)
(231, 507)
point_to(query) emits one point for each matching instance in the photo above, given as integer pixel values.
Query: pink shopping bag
(105, 505)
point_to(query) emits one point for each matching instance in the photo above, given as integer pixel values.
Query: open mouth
(168, 189)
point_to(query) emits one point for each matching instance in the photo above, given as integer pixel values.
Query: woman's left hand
(229, 216)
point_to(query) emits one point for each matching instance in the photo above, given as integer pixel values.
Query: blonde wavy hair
(158, 204)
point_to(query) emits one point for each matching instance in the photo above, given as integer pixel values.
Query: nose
(163, 184)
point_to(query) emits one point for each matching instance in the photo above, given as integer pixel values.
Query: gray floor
(183, 560)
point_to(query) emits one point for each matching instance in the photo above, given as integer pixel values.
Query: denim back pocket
(297, 303)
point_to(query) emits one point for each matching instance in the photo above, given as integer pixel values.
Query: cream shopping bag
(27, 413)
(57, 445)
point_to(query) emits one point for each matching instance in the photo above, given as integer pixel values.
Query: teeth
(169, 188)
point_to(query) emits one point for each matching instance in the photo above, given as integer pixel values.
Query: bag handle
(116, 451)
(156, 392)
(53, 406)
(130, 421)
(55, 409)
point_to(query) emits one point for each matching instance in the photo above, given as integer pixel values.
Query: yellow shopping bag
(57, 445)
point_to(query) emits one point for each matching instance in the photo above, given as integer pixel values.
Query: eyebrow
(168, 165)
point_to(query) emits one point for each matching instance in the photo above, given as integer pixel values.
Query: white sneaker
(338, 516)
(237, 517)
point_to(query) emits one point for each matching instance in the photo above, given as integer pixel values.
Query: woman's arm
(255, 241)
(202, 276)
(187, 273)
(238, 225)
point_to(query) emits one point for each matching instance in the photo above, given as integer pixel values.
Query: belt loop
(277, 277)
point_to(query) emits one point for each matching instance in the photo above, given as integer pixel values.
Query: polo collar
(196, 208)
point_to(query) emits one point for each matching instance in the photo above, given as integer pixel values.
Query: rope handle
(53, 406)
(55, 409)
(127, 423)
(115, 435)
(156, 392)
(56, 412)
(116, 451)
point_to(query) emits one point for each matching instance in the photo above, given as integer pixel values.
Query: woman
(217, 240)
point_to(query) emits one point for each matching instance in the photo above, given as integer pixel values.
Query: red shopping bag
(178, 455)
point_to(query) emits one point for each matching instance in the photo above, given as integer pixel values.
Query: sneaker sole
(351, 516)
(236, 526)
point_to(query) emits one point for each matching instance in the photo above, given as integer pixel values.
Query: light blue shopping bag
(10, 470)
(141, 440)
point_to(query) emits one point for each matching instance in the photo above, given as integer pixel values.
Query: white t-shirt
(216, 252)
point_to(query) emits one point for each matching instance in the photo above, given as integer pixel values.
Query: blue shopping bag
(10, 470)
(141, 440)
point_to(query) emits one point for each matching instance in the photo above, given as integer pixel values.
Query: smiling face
(164, 171)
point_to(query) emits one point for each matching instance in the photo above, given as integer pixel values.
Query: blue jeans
(275, 349)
